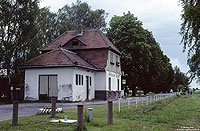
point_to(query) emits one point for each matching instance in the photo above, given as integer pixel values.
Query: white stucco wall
(114, 77)
(67, 88)
(100, 81)
(80, 91)
(64, 76)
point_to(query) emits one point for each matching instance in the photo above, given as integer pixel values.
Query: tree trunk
(133, 90)
(145, 92)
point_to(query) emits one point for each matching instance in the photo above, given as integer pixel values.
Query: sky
(161, 17)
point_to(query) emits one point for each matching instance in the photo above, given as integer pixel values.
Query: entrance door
(48, 87)
(44, 88)
(87, 87)
(53, 89)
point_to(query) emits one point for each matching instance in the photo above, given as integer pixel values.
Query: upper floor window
(111, 58)
(117, 61)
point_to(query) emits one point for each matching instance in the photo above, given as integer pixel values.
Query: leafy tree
(190, 31)
(142, 59)
(161, 71)
(80, 13)
(16, 28)
(181, 81)
(45, 31)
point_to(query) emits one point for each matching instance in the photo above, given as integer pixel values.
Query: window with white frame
(117, 61)
(111, 58)
(90, 81)
(79, 79)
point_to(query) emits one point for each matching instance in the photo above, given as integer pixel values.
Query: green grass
(170, 114)
(197, 92)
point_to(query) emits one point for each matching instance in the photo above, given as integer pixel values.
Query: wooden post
(80, 117)
(15, 113)
(53, 107)
(110, 112)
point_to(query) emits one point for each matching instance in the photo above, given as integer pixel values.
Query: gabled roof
(58, 58)
(92, 38)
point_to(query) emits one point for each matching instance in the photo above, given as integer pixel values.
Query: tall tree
(142, 58)
(190, 32)
(16, 28)
(181, 81)
(80, 13)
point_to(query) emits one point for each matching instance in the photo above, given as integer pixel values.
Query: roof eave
(57, 66)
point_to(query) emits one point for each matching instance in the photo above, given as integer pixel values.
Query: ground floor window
(90, 81)
(79, 79)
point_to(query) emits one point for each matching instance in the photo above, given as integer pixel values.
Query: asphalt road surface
(28, 109)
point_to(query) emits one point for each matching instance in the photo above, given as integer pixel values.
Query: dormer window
(74, 43)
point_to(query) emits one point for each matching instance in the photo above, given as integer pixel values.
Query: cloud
(176, 62)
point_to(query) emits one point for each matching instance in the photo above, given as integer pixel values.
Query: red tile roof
(92, 53)
(92, 38)
(57, 58)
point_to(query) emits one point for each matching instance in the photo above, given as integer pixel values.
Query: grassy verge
(171, 114)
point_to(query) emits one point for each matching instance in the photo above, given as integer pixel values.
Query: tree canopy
(25, 28)
(181, 81)
(16, 28)
(142, 59)
(190, 32)
(80, 13)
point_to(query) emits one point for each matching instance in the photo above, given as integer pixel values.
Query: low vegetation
(178, 112)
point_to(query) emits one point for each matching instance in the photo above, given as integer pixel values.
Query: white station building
(78, 65)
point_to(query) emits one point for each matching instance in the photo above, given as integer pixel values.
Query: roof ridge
(75, 54)
(54, 39)
(68, 51)
(102, 36)
(63, 50)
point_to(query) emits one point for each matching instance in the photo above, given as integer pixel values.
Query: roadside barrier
(134, 102)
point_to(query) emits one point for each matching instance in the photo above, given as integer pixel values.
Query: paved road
(28, 109)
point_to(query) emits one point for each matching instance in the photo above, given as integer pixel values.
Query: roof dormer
(74, 43)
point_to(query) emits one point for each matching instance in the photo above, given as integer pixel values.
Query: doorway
(48, 87)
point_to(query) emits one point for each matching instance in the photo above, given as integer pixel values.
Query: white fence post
(136, 104)
(147, 99)
(142, 102)
(128, 103)
(150, 99)
(119, 104)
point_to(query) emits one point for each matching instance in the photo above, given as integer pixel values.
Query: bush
(197, 92)
(183, 93)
